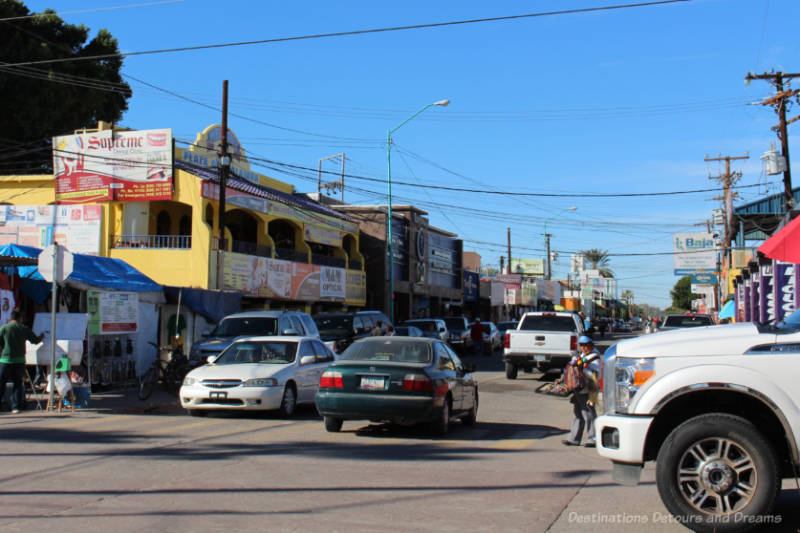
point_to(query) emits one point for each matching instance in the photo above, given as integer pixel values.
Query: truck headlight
(629, 376)
(261, 382)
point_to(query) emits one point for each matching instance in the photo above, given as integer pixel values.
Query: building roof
(760, 218)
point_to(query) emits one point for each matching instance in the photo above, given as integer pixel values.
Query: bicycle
(169, 373)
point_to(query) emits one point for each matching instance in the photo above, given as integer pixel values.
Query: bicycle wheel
(146, 383)
(175, 379)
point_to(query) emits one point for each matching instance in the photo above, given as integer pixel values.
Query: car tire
(441, 424)
(701, 456)
(472, 416)
(511, 371)
(333, 424)
(198, 412)
(289, 401)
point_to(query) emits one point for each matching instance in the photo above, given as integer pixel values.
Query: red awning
(785, 244)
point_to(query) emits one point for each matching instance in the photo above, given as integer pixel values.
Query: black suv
(342, 329)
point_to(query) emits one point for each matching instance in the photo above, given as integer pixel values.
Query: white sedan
(258, 373)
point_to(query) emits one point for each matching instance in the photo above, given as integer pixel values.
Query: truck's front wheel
(716, 473)
(511, 371)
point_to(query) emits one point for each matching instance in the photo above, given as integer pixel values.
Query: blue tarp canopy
(728, 310)
(88, 271)
(213, 305)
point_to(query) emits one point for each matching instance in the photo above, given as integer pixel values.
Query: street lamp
(440, 103)
(547, 238)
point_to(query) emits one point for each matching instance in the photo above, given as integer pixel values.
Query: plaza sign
(693, 252)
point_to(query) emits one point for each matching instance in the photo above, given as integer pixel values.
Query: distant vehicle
(504, 326)
(637, 324)
(340, 330)
(542, 339)
(252, 324)
(433, 328)
(258, 373)
(492, 339)
(407, 331)
(399, 380)
(458, 328)
(687, 320)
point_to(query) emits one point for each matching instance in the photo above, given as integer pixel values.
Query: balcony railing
(354, 265)
(251, 248)
(290, 254)
(176, 242)
(327, 260)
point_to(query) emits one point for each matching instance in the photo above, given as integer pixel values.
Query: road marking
(513, 444)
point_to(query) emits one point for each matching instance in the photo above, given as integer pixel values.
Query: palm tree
(598, 259)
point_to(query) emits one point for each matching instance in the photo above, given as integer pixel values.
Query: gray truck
(542, 340)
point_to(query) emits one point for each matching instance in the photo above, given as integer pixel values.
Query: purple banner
(784, 289)
(766, 295)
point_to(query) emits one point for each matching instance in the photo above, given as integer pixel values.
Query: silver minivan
(252, 324)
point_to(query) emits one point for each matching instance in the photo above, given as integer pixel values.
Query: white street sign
(63, 262)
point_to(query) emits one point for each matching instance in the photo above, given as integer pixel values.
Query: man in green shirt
(12, 357)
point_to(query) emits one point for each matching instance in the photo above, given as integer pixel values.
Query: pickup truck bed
(542, 340)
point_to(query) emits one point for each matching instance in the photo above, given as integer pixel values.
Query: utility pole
(547, 251)
(780, 102)
(508, 236)
(224, 167)
(728, 180)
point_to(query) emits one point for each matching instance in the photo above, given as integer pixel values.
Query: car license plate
(540, 357)
(218, 395)
(373, 383)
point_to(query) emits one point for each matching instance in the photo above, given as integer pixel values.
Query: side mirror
(210, 359)
(290, 332)
(308, 359)
(206, 333)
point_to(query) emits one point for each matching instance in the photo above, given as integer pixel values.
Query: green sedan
(402, 380)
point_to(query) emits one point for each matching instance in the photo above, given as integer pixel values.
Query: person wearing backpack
(580, 378)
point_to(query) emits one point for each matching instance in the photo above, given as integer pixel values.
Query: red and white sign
(107, 165)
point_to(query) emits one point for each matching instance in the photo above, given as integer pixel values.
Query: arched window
(185, 225)
(210, 215)
(163, 223)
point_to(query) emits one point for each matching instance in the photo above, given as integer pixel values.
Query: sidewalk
(122, 401)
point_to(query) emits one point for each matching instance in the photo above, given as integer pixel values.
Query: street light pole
(548, 273)
(441, 103)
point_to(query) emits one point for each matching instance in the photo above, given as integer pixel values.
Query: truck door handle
(539, 337)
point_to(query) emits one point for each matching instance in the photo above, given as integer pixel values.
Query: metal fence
(290, 254)
(327, 260)
(178, 242)
(251, 248)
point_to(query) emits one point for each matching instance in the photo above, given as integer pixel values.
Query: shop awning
(785, 244)
(213, 305)
(728, 310)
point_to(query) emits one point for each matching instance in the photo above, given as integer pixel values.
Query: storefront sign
(113, 165)
(693, 252)
(784, 289)
(332, 283)
(766, 295)
(75, 226)
(704, 278)
(356, 289)
(471, 285)
(112, 313)
(532, 267)
(322, 235)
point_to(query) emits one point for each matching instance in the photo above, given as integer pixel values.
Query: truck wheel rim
(717, 476)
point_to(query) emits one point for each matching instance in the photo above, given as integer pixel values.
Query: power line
(110, 8)
(354, 32)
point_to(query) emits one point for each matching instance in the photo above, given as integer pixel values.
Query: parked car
(492, 339)
(339, 330)
(258, 373)
(685, 320)
(399, 380)
(252, 324)
(407, 331)
(505, 326)
(458, 328)
(433, 328)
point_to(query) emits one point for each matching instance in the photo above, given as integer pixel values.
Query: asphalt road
(139, 473)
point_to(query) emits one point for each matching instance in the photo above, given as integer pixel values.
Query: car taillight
(573, 342)
(507, 340)
(417, 382)
(331, 380)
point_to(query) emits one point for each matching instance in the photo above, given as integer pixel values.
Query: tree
(682, 295)
(598, 260)
(42, 101)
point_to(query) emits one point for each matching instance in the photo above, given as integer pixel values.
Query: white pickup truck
(717, 408)
(542, 339)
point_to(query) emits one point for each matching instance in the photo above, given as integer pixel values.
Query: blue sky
(621, 101)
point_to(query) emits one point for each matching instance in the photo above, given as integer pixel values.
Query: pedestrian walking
(476, 332)
(377, 330)
(12, 357)
(585, 399)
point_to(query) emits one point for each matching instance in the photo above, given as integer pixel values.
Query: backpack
(574, 379)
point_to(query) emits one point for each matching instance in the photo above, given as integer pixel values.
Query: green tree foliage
(41, 101)
(682, 295)
(598, 260)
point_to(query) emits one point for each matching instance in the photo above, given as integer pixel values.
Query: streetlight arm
(409, 119)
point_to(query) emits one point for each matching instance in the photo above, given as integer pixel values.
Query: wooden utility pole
(728, 180)
(547, 251)
(508, 235)
(780, 102)
(224, 167)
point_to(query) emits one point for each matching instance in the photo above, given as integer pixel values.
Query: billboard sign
(532, 267)
(113, 165)
(693, 252)
(471, 285)
(77, 227)
(704, 278)
(111, 313)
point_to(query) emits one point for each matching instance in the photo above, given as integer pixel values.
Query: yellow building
(159, 210)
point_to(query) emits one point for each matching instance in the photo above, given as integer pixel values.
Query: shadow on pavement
(481, 431)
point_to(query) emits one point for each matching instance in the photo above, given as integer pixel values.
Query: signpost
(55, 265)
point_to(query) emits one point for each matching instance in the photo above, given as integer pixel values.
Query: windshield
(454, 323)
(424, 325)
(548, 323)
(687, 321)
(388, 349)
(334, 325)
(271, 352)
(790, 321)
(246, 326)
